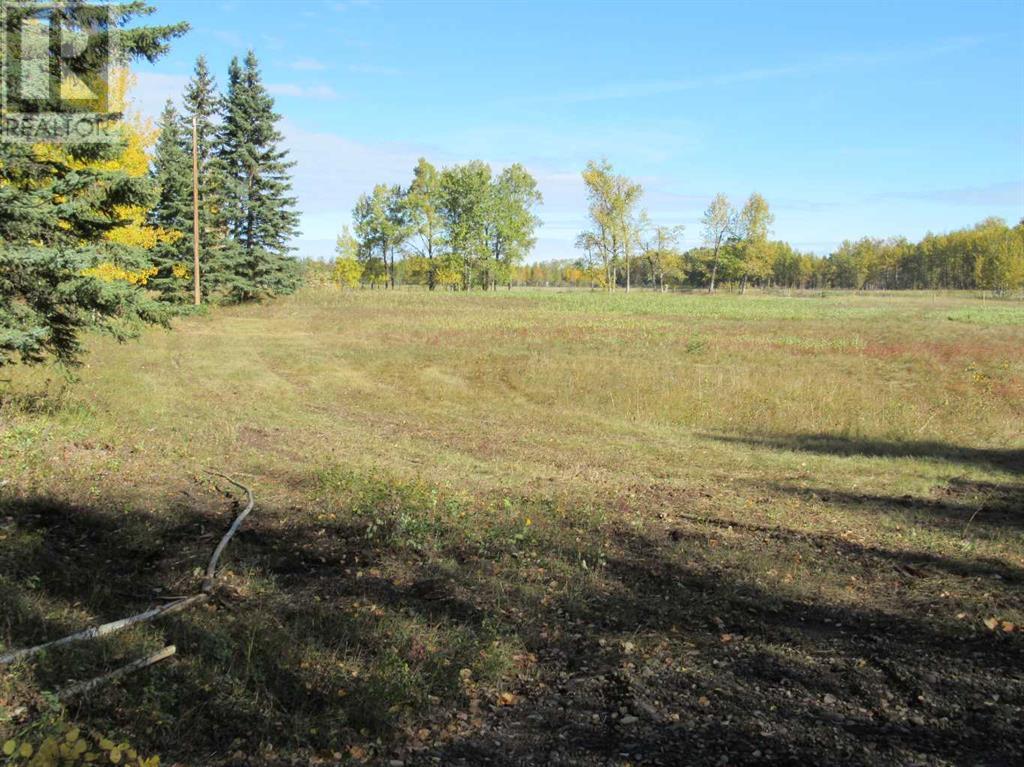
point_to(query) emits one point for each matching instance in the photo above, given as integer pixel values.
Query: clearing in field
(537, 528)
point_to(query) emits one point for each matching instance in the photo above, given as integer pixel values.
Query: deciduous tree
(752, 229)
(347, 270)
(612, 210)
(382, 225)
(511, 221)
(718, 222)
(465, 203)
(423, 203)
(662, 252)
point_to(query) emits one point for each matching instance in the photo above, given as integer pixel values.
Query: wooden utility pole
(195, 209)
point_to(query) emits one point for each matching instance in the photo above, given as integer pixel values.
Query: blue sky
(852, 119)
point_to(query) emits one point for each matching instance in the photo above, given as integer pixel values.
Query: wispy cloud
(153, 89)
(350, 4)
(1004, 193)
(560, 144)
(306, 64)
(316, 92)
(228, 38)
(373, 69)
(648, 88)
(332, 170)
(660, 87)
(902, 54)
(274, 42)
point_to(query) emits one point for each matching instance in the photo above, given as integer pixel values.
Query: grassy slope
(466, 495)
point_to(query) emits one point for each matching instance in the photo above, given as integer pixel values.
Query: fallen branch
(211, 568)
(88, 686)
(95, 632)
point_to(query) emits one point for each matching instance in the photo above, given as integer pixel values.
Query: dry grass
(513, 453)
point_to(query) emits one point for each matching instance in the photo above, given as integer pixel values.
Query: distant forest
(988, 256)
(463, 227)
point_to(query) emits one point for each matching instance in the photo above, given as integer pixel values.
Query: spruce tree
(172, 173)
(252, 172)
(57, 202)
(202, 105)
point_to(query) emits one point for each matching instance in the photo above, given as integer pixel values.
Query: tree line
(455, 228)
(987, 256)
(463, 227)
(624, 247)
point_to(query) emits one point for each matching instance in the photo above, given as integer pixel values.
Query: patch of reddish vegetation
(1011, 390)
(939, 351)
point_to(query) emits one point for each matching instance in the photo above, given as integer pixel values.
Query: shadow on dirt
(656, 655)
(703, 668)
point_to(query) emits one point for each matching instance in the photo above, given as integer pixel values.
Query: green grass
(451, 487)
(989, 315)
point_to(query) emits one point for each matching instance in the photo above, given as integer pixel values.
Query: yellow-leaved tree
(348, 269)
(130, 232)
(139, 137)
(347, 273)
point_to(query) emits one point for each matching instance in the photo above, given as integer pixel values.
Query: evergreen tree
(218, 256)
(172, 173)
(59, 274)
(202, 104)
(254, 186)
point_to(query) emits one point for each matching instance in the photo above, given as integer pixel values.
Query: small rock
(628, 719)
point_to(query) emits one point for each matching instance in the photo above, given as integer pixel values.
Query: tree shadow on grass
(1000, 459)
(988, 508)
(654, 655)
(878, 557)
(294, 652)
(984, 508)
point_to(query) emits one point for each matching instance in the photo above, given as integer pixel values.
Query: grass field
(535, 528)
